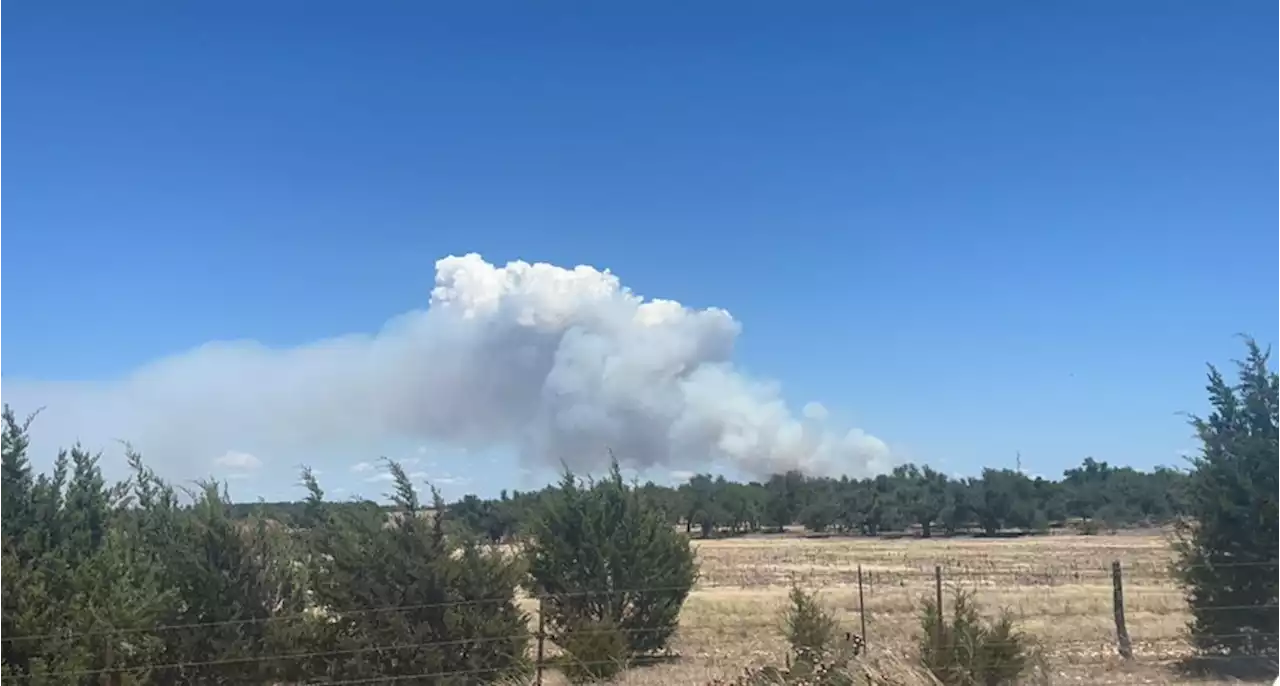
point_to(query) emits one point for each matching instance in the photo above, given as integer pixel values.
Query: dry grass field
(1058, 586)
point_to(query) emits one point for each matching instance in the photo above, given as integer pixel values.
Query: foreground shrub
(970, 650)
(603, 552)
(1227, 548)
(225, 571)
(594, 650)
(450, 605)
(82, 560)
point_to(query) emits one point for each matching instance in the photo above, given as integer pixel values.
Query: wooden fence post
(1117, 599)
(109, 678)
(937, 588)
(862, 610)
(542, 637)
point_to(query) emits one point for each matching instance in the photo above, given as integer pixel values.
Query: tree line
(1091, 497)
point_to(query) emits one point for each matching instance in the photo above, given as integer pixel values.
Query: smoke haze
(557, 364)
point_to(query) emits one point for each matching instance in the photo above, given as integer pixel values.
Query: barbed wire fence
(1061, 597)
(869, 588)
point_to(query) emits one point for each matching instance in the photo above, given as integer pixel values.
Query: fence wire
(1146, 651)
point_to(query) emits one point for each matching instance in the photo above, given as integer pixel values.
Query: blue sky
(971, 229)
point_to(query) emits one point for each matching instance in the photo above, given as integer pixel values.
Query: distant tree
(957, 512)
(1085, 488)
(1050, 504)
(821, 512)
(701, 508)
(1172, 485)
(711, 496)
(669, 500)
(743, 505)
(1228, 547)
(601, 552)
(785, 499)
(921, 495)
(882, 506)
(1004, 498)
(853, 502)
(485, 518)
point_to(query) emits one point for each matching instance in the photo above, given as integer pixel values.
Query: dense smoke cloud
(559, 364)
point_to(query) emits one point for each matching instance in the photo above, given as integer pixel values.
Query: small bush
(821, 658)
(593, 651)
(817, 657)
(969, 650)
(807, 624)
(604, 551)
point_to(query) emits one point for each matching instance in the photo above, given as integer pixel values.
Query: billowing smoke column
(560, 364)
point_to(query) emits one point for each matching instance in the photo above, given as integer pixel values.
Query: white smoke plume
(558, 364)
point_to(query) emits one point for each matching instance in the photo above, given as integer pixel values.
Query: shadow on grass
(602, 670)
(1240, 668)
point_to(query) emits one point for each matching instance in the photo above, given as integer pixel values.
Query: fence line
(69, 674)
(318, 614)
(869, 582)
(280, 657)
(337, 614)
(330, 653)
(1124, 642)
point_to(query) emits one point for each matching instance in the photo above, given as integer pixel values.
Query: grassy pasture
(1058, 586)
